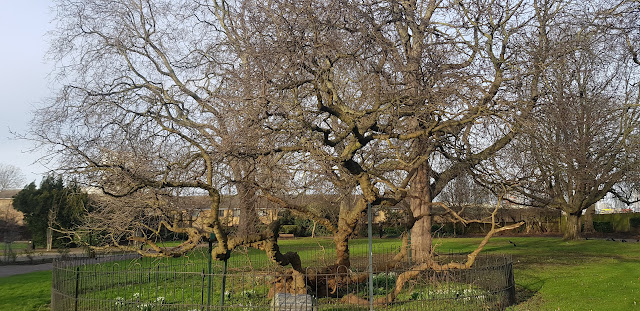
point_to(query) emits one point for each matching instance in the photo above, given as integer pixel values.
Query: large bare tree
(396, 98)
(143, 112)
(582, 141)
(372, 101)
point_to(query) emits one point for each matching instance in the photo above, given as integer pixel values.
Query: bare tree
(10, 177)
(141, 117)
(372, 102)
(582, 142)
(621, 17)
(395, 99)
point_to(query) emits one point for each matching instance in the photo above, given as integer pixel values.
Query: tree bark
(572, 231)
(420, 203)
(50, 221)
(49, 239)
(588, 219)
(341, 238)
(249, 220)
(313, 230)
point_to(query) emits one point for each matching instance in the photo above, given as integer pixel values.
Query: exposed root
(292, 282)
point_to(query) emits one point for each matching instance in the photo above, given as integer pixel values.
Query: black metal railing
(128, 282)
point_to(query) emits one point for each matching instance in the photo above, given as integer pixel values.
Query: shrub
(292, 229)
(393, 231)
(603, 226)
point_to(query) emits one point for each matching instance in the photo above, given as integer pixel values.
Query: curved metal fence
(250, 282)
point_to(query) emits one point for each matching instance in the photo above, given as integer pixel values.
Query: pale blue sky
(24, 79)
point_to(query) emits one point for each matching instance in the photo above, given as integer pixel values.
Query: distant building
(7, 212)
(610, 205)
(11, 220)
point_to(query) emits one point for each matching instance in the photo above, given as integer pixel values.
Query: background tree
(10, 177)
(51, 209)
(582, 142)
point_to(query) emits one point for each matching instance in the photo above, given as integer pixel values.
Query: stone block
(291, 302)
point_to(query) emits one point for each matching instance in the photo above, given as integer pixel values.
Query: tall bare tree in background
(582, 141)
(10, 177)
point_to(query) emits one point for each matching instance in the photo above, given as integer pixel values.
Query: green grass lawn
(30, 291)
(550, 274)
(15, 246)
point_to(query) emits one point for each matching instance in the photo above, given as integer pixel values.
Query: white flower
(160, 300)
(119, 301)
(136, 295)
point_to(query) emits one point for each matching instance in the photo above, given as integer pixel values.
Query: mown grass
(15, 246)
(28, 292)
(551, 274)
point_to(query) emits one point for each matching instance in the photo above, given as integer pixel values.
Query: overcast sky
(24, 79)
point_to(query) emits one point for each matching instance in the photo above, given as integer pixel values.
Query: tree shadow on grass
(526, 293)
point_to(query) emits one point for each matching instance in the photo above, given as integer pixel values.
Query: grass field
(15, 246)
(550, 274)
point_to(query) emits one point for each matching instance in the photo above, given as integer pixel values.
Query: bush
(603, 226)
(290, 229)
(634, 222)
(393, 231)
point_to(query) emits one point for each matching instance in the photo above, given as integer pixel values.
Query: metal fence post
(211, 237)
(370, 233)
(224, 279)
(202, 289)
(77, 287)
(511, 292)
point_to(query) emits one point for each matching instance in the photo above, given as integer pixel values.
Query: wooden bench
(286, 235)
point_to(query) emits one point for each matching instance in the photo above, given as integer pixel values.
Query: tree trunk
(245, 185)
(51, 218)
(572, 232)
(313, 230)
(588, 219)
(49, 239)
(249, 220)
(341, 238)
(342, 249)
(420, 203)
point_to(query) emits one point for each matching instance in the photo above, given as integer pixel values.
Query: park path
(9, 270)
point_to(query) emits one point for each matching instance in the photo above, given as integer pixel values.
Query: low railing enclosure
(128, 282)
